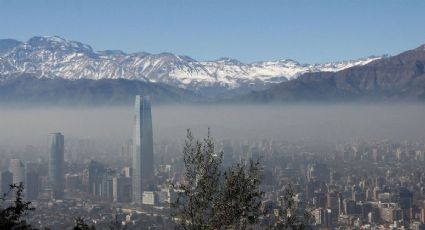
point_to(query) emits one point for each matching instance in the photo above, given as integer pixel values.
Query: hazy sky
(307, 31)
(22, 126)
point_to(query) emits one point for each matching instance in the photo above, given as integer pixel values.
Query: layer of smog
(331, 123)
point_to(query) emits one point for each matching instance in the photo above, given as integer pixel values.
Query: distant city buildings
(359, 185)
(148, 198)
(143, 168)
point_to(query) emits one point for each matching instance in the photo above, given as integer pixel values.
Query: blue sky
(308, 31)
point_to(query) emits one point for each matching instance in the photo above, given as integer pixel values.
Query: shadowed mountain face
(31, 90)
(400, 77)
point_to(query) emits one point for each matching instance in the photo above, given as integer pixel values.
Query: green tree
(290, 216)
(11, 216)
(115, 223)
(80, 224)
(238, 203)
(211, 199)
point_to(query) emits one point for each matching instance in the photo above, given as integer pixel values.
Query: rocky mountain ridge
(55, 57)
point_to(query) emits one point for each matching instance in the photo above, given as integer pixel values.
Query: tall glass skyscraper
(56, 164)
(142, 148)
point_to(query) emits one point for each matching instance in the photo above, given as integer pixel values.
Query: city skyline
(212, 114)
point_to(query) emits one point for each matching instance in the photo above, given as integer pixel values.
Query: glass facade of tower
(56, 164)
(142, 148)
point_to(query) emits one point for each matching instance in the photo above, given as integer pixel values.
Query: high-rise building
(56, 164)
(106, 190)
(17, 169)
(122, 189)
(73, 181)
(142, 148)
(96, 171)
(6, 179)
(32, 181)
(405, 200)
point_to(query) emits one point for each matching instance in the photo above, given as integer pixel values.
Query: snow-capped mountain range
(55, 57)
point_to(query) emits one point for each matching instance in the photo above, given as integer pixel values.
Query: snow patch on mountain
(55, 57)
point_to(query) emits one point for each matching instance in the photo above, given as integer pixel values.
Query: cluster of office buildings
(129, 185)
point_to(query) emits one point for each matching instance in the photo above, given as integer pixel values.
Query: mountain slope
(401, 77)
(28, 89)
(55, 57)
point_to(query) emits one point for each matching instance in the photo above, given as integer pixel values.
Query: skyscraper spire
(142, 148)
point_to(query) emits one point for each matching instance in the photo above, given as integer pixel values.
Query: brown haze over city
(30, 126)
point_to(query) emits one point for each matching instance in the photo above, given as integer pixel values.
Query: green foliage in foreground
(211, 198)
(80, 224)
(11, 216)
(289, 216)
